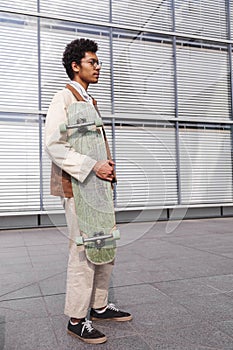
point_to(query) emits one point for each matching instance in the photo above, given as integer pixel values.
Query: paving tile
(222, 283)
(31, 334)
(19, 309)
(30, 291)
(133, 342)
(47, 249)
(187, 287)
(218, 307)
(198, 336)
(12, 252)
(12, 238)
(159, 316)
(51, 259)
(130, 295)
(55, 304)
(9, 282)
(224, 326)
(2, 332)
(54, 284)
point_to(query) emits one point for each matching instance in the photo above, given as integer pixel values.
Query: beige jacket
(66, 161)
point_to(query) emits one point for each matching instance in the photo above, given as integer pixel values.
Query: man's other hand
(104, 169)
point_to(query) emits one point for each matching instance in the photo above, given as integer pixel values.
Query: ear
(75, 67)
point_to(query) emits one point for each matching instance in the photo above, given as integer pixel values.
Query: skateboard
(94, 197)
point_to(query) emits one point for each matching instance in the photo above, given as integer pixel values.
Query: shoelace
(112, 307)
(88, 325)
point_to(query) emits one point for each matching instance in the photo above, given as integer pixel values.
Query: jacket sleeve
(56, 145)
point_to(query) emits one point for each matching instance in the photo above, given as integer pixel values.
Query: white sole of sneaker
(88, 341)
(117, 319)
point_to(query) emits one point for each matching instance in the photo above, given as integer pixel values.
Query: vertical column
(112, 95)
(178, 180)
(40, 121)
(230, 72)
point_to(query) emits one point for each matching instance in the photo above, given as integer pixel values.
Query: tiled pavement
(175, 278)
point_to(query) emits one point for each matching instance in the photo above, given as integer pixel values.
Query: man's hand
(104, 169)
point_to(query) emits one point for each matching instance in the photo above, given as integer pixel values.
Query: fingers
(104, 170)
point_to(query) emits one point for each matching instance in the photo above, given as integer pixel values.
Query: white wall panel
(203, 83)
(143, 77)
(54, 38)
(208, 178)
(201, 17)
(20, 5)
(146, 166)
(20, 169)
(97, 10)
(19, 63)
(154, 14)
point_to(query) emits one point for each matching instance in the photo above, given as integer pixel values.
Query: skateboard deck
(94, 197)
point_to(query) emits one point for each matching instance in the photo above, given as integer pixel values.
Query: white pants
(87, 284)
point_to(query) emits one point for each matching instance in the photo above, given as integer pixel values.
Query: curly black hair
(75, 51)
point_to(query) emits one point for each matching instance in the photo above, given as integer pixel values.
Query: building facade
(165, 94)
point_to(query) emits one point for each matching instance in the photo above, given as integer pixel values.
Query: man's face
(87, 72)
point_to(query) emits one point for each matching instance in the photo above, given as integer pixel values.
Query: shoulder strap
(75, 92)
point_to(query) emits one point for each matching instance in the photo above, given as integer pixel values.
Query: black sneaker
(111, 313)
(85, 332)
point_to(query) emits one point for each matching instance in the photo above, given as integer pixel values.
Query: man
(87, 284)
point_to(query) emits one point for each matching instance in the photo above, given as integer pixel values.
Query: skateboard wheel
(98, 122)
(79, 240)
(116, 234)
(63, 128)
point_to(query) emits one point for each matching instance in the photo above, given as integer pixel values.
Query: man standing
(87, 284)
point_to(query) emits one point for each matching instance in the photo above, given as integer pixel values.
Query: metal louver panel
(20, 174)
(201, 17)
(146, 166)
(21, 5)
(97, 10)
(203, 83)
(143, 77)
(206, 166)
(146, 14)
(54, 38)
(19, 64)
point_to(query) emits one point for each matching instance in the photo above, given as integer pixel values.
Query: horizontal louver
(206, 166)
(201, 17)
(18, 5)
(97, 10)
(146, 14)
(143, 77)
(54, 39)
(146, 166)
(20, 174)
(203, 83)
(19, 64)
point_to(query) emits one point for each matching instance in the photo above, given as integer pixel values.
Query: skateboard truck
(81, 124)
(98, 238)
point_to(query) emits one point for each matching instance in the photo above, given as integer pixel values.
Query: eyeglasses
(94, 63)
